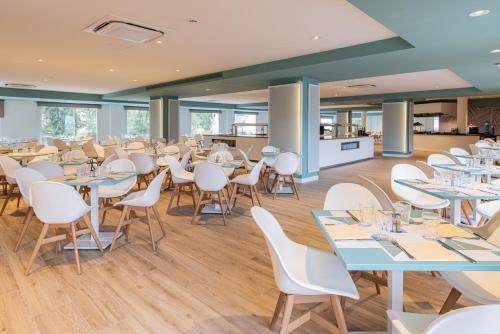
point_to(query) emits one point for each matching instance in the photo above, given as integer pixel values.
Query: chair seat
(410, 323)
(107, 192)
(135, 199)
(315, 269)
(243, 179)
(161, 163)
(481, 287)
(185, 177)
(429, 202)
(488, 209)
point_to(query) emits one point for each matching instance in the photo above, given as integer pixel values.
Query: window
(357, 118)
(245, 117)
(137, 121)
(373, 121)
(204, 122)
(67, 120)
(328, 119)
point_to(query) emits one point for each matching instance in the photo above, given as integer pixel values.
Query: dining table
(362, 249)
(25, 156)
(477, 171)
(474, 192)
(93, 183)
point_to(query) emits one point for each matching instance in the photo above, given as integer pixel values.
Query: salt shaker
(396, 222)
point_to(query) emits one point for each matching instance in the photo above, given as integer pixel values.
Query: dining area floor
(204, 278)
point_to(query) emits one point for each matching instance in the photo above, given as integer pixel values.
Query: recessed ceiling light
(194, 20)
(111, 70)
(177, 70)
(437, 86)
(480, 12)
(134, 80)
(158, 42)
(40, 60)
(208, 89)
(316, 38)
(495, 51)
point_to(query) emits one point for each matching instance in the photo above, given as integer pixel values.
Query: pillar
(294, 117)
(463, 115)
(343, 117)
(397, 129)
(363, 119)
(164, 118)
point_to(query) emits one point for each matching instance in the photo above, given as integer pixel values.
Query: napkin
(430, 251)
(344, 232)
(357, 214)
(451, 231)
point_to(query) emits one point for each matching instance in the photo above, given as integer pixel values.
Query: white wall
(22, 118)
(111, 121)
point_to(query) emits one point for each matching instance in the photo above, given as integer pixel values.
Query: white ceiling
(397, 83)
(231, 34)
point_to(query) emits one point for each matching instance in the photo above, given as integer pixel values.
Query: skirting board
(307, 179)
(397, 155)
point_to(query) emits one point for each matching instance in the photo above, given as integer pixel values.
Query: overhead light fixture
(134, 80)
(124, 29)
(316, 38)
(480, 12)
(159, 42)
(194, 20)
(208, 89)
(495, 51)
(111, 70)
(39, 60)
(177, 70)
(437, 86)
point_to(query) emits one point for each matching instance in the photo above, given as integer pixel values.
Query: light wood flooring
(203, 279)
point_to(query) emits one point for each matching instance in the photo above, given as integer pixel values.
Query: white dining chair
(182, 179)
(56, 204)
(415, 197)
(488, 209)
(9, 167)
(426, 168)
(24, 178)
(249, 181)
(108, 159)
(211, 181)
(284, 167)
(482, 319)
(459, 151)
(349, 196)
(382, 197)
(48, 151)
(183, 149)
(61, 145)
(270, 149)
(121, 153)
(74, 155)
(249, 150)
(172, 150)
(441, 159)
(136, 146)
(141, 200)
(303, 274)
(145, 166)
(49, 169)
(117, 191)
(248, 164)
(480, 286)
(185, 159)
(473, 149)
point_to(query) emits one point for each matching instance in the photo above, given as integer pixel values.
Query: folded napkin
(451, 231)
(430, 251)
(347, 232)
(357, 214)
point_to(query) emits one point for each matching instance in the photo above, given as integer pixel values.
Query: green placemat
(462, 245)
(390, 248)
(341, 220)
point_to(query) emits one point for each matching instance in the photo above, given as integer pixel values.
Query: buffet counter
(340, 151)
(442, 142)
(242, 142)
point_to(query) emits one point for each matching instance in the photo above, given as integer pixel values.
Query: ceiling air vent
(19, 85)
(116, 27)
(362, 86)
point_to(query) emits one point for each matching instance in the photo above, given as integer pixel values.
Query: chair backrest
(246, 161)
(171, 150)
(440, 159)
(74, 155)
(61, 145)
(183, 149)
(89, 149)
(121, 166)
(280, 248)
(250, 148)
(216, 147)
(110, 158)
(175, 166)
(49, 150)
(270, 149)
(152, 193)
(349, 196)
(24, 178)
(286, 163)
(426, 168)
(459, 151)
(144, 164)
(99, 150)
(490, 230)
(482, 144)
(56, 203)
(406, 172)
(255, 172)
(121, 153)
(185, 159)
(136, 145)
(48, 169)
(473, 149)
(469, 320)
(382, 197)
(9, 167)
(209, 176)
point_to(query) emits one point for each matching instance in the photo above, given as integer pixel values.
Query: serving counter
(242, 142)
(340, 151)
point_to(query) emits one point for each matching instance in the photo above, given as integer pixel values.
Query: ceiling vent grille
(19, 85)
(119, 28)
(362, 86)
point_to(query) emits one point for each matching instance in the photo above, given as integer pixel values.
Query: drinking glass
(431, 221)
(404, 210)
(367, 213)
(383, 223)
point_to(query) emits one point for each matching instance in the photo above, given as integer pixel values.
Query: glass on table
(367, 214)
(383, 223)
(431, 221)
(403, 208)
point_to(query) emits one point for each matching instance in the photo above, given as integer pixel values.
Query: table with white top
(86, 241)
(361, 252)
(474, 171)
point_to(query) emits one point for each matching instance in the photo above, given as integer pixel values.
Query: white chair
(57, 204)
(49, 169)
(185, 159)
(270, 149)
(426, 168)
(488, 209)
(248, 164)
(250, 148)
(270, 153)
(89, 149)
(459, 151)
(490, 141)
(348, 196)
(108, 193)
(172, 150)
(249, 181)
(145, 166)
(440, 159)
(100, 151)
(182, 179)
(110, 158)
(143, 199)
(479, 286)
(211, 181)
(470, 320)
(216, 147)
(482, 144)
(415, 197)
(61, 145)
(382, 197)
(303, 275)
(24, 178)
(75, 155)
(473, 149)
(48, 150)
(9, 167)
(183, 149)
(284, 167)
(121, 153)
(136, 146)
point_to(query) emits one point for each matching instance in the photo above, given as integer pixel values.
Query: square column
(164, 120)
(294, 117)
(397, 129)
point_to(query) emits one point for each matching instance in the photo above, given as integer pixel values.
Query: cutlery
(352, 216)
(355, 239)
(445, 245)
(396, 244)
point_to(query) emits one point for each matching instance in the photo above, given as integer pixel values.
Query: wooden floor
(203, 279)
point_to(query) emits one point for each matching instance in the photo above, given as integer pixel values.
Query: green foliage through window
(138, 122)
(68, 122)
(204, 123)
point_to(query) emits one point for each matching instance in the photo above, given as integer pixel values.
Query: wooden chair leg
(157, 215)
(232, 200)
(377, 286)
(86, 219)
(39, 243)
(191, 187)
(287, 313)
(27, 221)
(450, 301)
(75, 248)
(256, 194)
(250, 189)
(119, 227)
(197, 208)
(18, 200)
(176, 189)
(7, 198)
(150, 227)
(294, 186)
(219, 197)
(275, 186)
(339, 314)
(277, 311)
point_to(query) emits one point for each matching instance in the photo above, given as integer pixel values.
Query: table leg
(86, 241)
(455, 211)
(476, 217)
(395, 295)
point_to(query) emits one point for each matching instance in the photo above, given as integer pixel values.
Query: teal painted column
(397, 128)
(294, 117)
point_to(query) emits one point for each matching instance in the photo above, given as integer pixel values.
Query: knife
(445, 245)
(352, 216)
(396, 244)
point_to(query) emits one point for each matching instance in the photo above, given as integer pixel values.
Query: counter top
(233, 136)
(337, 138)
